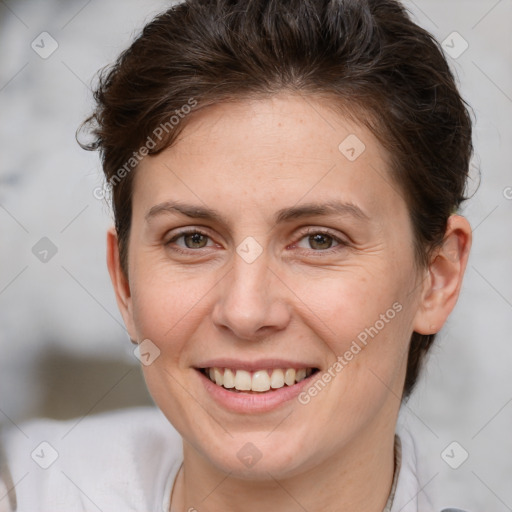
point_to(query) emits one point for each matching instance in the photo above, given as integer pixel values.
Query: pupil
(196, 239)
(320, 240)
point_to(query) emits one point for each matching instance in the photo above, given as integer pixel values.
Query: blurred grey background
(64, 350)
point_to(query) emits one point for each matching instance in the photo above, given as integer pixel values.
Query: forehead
(266, 150)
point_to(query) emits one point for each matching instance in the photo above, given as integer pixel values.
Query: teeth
(300, 374)
(218, 376)
(229, 379)
(242, 380)
(289, 377)
(277, 379)
(259, 381)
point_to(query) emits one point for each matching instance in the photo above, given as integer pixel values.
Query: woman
(285, 178)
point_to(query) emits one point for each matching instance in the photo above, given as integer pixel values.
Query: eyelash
(312, 231)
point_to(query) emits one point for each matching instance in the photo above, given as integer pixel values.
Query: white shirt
(125, 461)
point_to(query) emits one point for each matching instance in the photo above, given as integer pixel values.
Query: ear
(444, 277)
(120, 282)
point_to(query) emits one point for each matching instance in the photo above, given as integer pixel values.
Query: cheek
(167, 307)
(365, 318)
(346, 303)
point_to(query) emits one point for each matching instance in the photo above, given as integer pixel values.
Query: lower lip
(253, 402)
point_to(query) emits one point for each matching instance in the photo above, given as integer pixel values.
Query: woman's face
(298, 255)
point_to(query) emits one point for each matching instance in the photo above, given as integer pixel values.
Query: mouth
(256, 382)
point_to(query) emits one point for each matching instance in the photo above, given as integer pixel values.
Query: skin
(299, 299)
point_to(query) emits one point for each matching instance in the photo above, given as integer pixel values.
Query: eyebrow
(280, 217)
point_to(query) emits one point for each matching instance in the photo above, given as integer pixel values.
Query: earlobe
(444, 280)
(120, 282)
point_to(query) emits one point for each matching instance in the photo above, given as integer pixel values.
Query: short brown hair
(365, 54)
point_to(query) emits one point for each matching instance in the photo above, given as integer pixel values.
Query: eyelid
(188, 231)
(326, 231)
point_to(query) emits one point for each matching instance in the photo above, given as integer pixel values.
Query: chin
(256, 458)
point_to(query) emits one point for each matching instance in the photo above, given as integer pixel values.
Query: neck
(358, 477)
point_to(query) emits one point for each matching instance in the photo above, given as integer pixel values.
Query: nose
(251, 301)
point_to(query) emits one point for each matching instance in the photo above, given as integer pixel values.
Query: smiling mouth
(259, 381)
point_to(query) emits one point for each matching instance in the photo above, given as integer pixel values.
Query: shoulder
(411, 495)
(112, 461)
(408, 487)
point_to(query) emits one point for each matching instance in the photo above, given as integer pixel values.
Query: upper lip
(253, 365)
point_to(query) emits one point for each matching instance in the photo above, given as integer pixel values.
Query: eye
(192, 239)
(320, 241)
